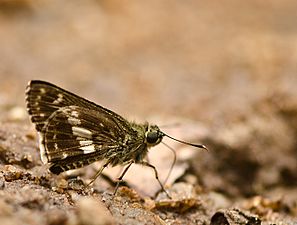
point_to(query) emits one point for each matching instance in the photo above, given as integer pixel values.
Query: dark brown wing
(44, 98)
(74, 137)
(73, 131)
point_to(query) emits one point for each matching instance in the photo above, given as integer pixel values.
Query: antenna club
(204, 147)
(184, 142)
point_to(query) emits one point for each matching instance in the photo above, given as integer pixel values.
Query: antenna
(173, 163)
(186, 143)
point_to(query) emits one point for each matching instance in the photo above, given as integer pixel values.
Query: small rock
(76, 184)
(74, 196)
(129, 193)
(183, 198)
(61, 183)
(91, 211)
(12, 173)
(234, 216)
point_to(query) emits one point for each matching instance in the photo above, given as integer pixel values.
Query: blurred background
(229, 65)
(208, 61)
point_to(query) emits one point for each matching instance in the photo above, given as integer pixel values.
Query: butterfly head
(153, 135)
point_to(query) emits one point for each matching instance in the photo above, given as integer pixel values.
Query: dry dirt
(221, 73)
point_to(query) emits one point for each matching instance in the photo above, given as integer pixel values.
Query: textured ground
(218, 73)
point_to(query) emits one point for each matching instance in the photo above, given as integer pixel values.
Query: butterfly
(75, 132)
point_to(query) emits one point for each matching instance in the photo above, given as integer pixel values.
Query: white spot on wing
(82, 132)
(73, 121)
(64, 155)
(88, 149)
(88, 142)
(42, 90)
(74, 114)
(43, 155)
(59, 99)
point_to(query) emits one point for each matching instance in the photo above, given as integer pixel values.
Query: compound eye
(152, 137)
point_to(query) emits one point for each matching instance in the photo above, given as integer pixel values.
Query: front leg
(121, 177)
(156, 176)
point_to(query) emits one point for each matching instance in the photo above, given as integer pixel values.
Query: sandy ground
(219, 73)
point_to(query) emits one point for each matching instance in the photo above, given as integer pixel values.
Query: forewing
(43, 99)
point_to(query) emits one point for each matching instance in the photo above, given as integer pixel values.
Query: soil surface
(221, 73)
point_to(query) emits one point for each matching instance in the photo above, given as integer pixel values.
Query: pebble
(92, 211)
(12, 173)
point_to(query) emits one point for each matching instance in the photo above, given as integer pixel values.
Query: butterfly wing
(44, 98)
(73, 131)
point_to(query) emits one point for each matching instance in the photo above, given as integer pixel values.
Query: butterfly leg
(98, 173)
(121, 178)
(156, 176)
